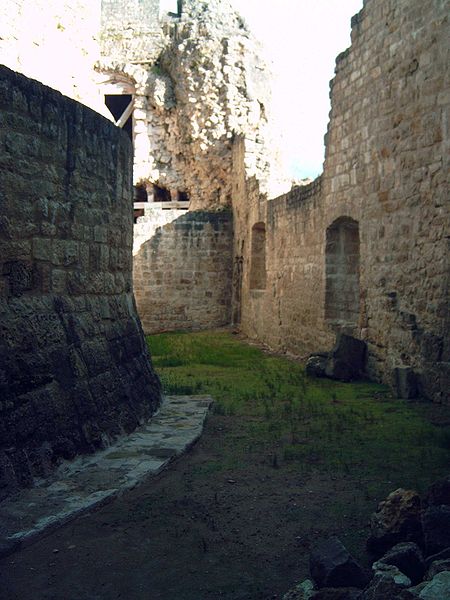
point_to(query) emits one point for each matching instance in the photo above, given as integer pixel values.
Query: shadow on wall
(74, 367)
(183, 272)
(342, 293)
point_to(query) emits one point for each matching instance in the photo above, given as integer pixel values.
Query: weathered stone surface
(384, 177)
(438, 493)
(392, 572)
(302, 591)
(411, 593)
(436, 589)
(349, 593)
(406, 384)
(89, 482)
(444, 554)
(382, 588)
(198, 80)
(316, 365)
(437, 566)
(398, 519)
(386, 584)
(74, 367)
(332, 566)
(343, 254)
(436, 528)
(8, 546)
(347, 359)
(183, 272)
(408, 558)
(306, 591)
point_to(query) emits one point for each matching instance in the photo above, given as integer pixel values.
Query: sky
(302, 38)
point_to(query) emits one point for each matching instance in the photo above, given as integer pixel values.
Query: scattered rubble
(411, 539)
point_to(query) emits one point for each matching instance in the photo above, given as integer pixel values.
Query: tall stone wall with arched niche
(385, 169)
(74, 368)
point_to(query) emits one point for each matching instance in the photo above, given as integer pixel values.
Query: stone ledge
(89, 482)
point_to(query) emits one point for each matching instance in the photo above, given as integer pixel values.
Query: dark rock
(391, 571)
(331, 565)
(437, 566)
(409, 560)
(396, 520)
(436, 589)
(8, 546)
(438, 556)
(338, 369)
(438, 493)
(436, 528)
(349, 593)
(20, 275)
(302, 591)
(345, 362)
(386, 584)
(406, 383)
(411, 593)
(347, 359)
(316, 365)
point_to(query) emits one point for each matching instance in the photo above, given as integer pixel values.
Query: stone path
(90, 481)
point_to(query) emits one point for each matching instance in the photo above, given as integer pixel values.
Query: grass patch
(349, 429)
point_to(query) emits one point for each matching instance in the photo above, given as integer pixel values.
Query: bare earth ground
(196, 532)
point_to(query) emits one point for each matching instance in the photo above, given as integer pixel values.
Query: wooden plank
(162, 205)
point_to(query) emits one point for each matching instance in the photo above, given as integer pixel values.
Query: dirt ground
(196, 532)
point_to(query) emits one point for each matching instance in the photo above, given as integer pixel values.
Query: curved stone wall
(74, 368)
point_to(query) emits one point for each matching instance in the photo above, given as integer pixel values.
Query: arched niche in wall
(342, 293)
(258, 257)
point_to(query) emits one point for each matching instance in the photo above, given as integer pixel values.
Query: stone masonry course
(74, 368)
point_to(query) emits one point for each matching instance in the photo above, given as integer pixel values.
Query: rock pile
(410, 542)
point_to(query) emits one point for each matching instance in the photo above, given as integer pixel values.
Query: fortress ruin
(218, 236)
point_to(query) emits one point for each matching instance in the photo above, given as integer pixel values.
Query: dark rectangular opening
(161, 194)
(117, 104)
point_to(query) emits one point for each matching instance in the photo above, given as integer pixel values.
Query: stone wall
(374, 227)
(154, 218)
(198, 80)
(130, 31)
(74, 368)
(384, 172)
(288, 313)
(182, 272)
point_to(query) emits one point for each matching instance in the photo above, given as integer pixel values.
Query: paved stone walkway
(90, 481)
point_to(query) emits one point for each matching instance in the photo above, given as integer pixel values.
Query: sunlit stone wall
(385, 171)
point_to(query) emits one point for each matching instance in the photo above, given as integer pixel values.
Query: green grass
(303, 424)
